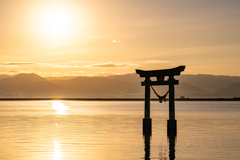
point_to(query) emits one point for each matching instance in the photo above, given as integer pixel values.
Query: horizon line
(118, 99)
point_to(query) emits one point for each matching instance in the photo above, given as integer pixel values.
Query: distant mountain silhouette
(118, 86)
(187, 89)
(5, 96)
(208, 82)
(31, 85)
(4, 76)
(134, 93)
(22, 78)
(104, 86)
(233, 90)
(57, 79)
(134, 78)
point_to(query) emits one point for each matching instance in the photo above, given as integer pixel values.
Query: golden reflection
(59, 107)
(57, 154)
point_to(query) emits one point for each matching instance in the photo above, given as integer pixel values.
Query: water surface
(107, 130)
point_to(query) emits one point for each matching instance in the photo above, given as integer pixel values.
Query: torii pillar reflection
(160, 75)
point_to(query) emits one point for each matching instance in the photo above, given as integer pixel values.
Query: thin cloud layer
(116, 41)
(70, 68)
(157, 61)
(111, 65)
(63, 66)
(17, 63)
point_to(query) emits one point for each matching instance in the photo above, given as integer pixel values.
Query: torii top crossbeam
(160, 73)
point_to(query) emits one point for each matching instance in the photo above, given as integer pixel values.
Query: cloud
(19, 71)
(107, 65)
(79, 71)
(41, 73)
(110, 65)
(81, 61)
(116, 41)
(55, 73)
(96, 65)
(100, 74)
(63, 66)
(157, 61)
(17, 63)
(12, 71)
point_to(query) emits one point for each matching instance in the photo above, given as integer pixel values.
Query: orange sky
(105, 37)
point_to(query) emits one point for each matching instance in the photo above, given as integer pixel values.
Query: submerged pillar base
(172, 127)
(147, 126)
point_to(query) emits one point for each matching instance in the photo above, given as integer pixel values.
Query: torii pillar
(160, 74)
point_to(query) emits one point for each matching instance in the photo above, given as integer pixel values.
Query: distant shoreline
(116, 99)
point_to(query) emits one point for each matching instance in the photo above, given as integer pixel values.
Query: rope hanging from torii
(161, 98)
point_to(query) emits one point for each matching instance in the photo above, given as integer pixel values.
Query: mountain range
(117, 86)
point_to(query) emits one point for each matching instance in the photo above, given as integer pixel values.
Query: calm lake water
(112, 130)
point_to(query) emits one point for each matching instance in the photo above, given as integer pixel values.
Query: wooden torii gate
(160, 75)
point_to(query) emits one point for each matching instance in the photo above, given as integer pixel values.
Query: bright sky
(105, 37)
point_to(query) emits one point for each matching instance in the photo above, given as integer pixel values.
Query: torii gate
(160, 74)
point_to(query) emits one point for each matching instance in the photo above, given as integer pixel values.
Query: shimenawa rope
(161, 98)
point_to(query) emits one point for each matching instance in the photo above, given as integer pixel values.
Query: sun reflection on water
(57, 154)
(59, 107)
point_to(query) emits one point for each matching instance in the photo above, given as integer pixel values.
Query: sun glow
(57, 22)
(59, 107)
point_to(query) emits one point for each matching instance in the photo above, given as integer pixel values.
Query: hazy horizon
(62, 76)
(119, 86)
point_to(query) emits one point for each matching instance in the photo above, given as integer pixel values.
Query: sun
(57, 22)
